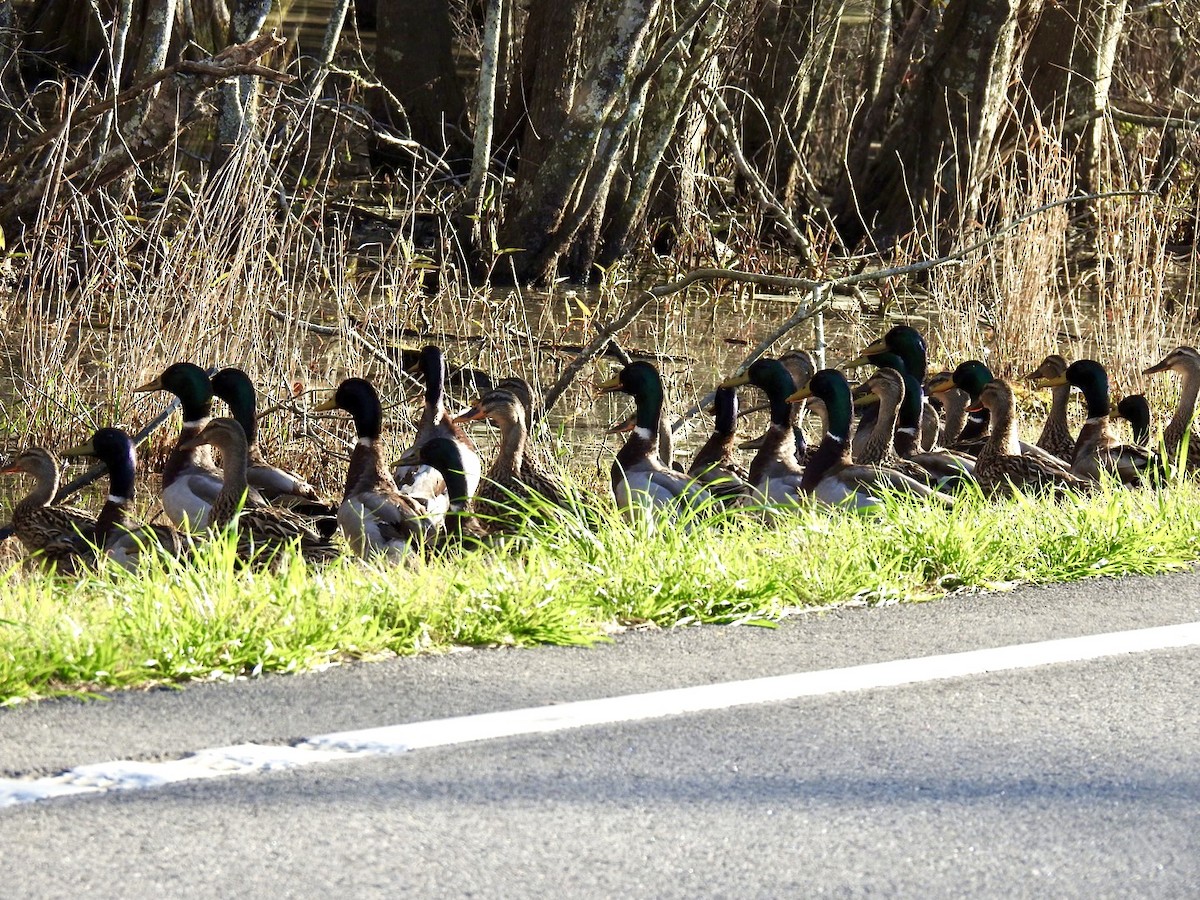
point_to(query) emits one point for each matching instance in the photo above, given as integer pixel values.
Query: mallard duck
(830, 476)
(59, 537)
(278, 486)
(1186, 361)
(774, 472)
(908, 344)
(514, 475)
(969, 377)
(423, 481)
(972, 377)
(666, 437)
(799, 364)
(953, 403)
(1001, 467)
(714, 464)
(123, 538)
(1097, 448)
(461, 528)
(268, 528)
(641, 484)
(1135, 410)
(1056, 434)
(191, 480)
(899, 399)
(885, 389)
(375, 518)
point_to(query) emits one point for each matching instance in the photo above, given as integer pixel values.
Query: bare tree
(415, 62)
(940, 138)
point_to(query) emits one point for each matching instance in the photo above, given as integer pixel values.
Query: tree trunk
(674, 85)
(415, 62)
(1068, 71)
(938, 145)
(237, 103)
(553, 203)
(551, 60)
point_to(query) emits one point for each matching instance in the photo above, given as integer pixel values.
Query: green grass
(559, 584)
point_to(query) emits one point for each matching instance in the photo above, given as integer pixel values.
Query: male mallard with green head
(422, 481)
(1097, 449)
(640, 481)
(830, 476)
(375, 518)
(123, 538)
(191, 480)
(774, 472)
(277, 485)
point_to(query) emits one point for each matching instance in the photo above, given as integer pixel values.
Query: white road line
(395, 739)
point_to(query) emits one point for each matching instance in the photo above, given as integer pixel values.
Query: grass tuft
(559, 582)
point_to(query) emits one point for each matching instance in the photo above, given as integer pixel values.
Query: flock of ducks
(924, 435)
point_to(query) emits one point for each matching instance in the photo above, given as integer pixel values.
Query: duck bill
(753, 443)
(155, 385)
(327, 405)
(410, 457)
(11, 469)
(1051, 382)
(607, 387)
(1160, 366)
(803, 394)
(976, 408)
(734, 381)
(79, 450)
(474, 414)
(864, 400)
(622, 427)
(939, 384)
(870, 350)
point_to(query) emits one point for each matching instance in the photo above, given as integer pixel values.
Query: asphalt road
(1066, 780)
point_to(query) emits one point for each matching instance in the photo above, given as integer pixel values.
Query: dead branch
(820, 290)
(728, 129)
(179, 101)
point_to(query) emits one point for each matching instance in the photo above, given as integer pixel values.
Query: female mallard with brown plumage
(1097, 449)
(640, 482)
(972, 377)
(1186, 361)
(1056, 434)
(905, 343)
(122, 537)
(831, 476)
(375, 518)
(899, 400)
(952, 403)
(514, 475)
(259, 529)
(1001, 467)
(59, 537)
